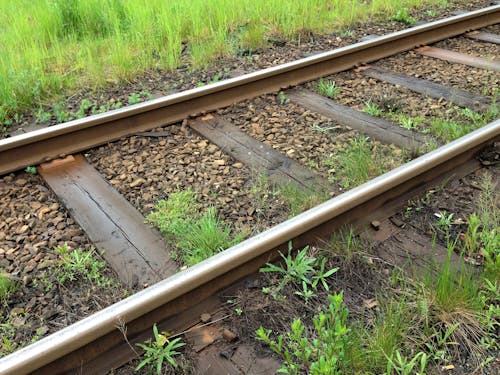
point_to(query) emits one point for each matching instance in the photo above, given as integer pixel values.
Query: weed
(488, 201)
(159, 350)
(134, 98)
(7, 287)
(324, 352)
(80, 263)
(357, 163)
(454, 304)
(404, 17)
(197, 235)
(31, 170)
(386, 333)
(401, 365)
(444, 222)
(205, 237)
(373, 109)
(282, 98)
(463, 122)
(303, 270)
(42, 116)
(408, 122)
(328, 88)
(318, 128)
(345, 243)
(345, 33)
(431, 12)
(481, 237)
(7, 331)
(300, 200)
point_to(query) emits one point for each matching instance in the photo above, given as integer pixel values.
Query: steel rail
(61, 349)
(78, 135)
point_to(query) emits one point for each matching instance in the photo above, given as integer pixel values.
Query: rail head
(70, 339)
(42, 145)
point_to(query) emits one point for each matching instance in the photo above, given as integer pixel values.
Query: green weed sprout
(159, 350)
(328, 88)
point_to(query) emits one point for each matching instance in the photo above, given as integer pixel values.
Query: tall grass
(50, 46)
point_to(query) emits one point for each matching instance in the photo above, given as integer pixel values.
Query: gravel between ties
(147, 169)
(32, 224)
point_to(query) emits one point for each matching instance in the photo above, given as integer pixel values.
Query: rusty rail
(74, 136)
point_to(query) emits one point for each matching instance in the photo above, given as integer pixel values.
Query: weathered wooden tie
(459, 58)
(459, 97)
(409, 249)
(135, 251)
(484, 36)
(374, 127)
(257, 155)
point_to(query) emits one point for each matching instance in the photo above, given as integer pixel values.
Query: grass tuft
(79, 263)
(197, 234)
(7, 287)
(359, 161)
(328, 88)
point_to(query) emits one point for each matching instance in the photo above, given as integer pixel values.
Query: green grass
(328, 88)
(420, 323)
(160, 351)
(403, 16)
(7, 287)
(358, 162)
(345, 244)
(54, 46)
(300, 200)
(457, 123)
(80, 264)
(196, 233)
(320, 350)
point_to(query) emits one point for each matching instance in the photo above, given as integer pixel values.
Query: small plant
(303, 270)
(318, 128)
(197, 234)
(345, 243)
(42, 116)
(454, 304)
(401, 365)
(408, 122)
(31, 170)
(146, 95)
(324, 352)
(85, 106)
(205, 237)
(60, 113)
(7, 287)
(282, 98)
(472, 240)
(356, 164)
(159, 350)
(134, 98)
(328, 88)
(444, 222)
(373, 109)
(80, 263)
(431, 12)
(345, 33)
(301, 200)
(404, 17)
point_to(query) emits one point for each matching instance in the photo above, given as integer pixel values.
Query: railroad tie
(136, 252)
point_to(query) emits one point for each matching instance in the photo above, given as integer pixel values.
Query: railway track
(176, 299)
